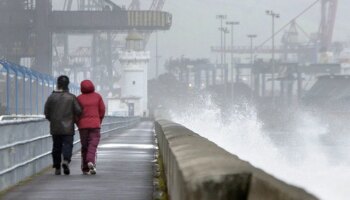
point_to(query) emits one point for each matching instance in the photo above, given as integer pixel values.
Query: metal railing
(23, 90)
(26, 146)
(6, 118)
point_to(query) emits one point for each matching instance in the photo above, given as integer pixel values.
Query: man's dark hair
(62, 82)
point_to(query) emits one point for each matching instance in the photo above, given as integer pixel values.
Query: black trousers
(62, 146)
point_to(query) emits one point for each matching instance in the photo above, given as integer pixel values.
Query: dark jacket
(61, 109)
(92, 105)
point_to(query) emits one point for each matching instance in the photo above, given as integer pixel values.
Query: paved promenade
(124, 172)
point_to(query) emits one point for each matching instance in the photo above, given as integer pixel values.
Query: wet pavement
(124, 172)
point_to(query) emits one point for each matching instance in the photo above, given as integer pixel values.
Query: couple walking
(63, 109)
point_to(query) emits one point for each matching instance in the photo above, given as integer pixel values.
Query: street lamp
(221, 18)
(273, 16)
(232, 24)
(251, 37)
(156, 56)
(223, 65)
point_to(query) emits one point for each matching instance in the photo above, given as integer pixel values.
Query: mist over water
(305, 156)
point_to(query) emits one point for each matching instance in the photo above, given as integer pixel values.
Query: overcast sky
(194, 21)
(195, 27)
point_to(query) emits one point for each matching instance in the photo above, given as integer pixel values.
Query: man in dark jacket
(61, 109)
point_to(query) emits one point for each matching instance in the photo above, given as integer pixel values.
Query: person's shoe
(57, 171)
(65, 167)
(92, 168)
(86, 173)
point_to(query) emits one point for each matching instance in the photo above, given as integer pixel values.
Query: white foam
(302, 159)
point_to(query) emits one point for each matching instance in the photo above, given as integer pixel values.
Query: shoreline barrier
(198, 169)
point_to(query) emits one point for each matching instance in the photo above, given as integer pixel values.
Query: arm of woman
(101, 109)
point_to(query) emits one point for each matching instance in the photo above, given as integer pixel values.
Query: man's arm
(47, 108)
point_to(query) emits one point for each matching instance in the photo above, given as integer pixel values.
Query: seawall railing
(25, 146)
(24, 90)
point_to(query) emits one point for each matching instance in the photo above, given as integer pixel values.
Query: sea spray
(296, 156)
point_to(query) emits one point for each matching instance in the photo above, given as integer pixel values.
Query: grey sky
(195, 27)
(194, 22)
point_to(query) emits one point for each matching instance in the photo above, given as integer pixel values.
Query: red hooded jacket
(92, 105)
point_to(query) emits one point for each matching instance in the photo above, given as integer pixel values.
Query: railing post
(24, 94)
(8, 91)
(42, 92)
(30, 95)
(37, 95)
(16, 91)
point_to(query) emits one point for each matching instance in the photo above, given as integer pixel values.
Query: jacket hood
(87, 86)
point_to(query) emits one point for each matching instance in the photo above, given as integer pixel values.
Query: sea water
(307, 155)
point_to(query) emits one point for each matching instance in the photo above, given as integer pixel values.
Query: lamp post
(224, 31)
(224, 71)
(156, 55)
(251, 37)
(273, 16)
(232, 24)
(221, 18)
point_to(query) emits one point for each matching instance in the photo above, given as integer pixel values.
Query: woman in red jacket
(89, 125)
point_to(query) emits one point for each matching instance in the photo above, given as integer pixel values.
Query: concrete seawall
(198, 169)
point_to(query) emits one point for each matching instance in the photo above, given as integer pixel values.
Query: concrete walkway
(124, 172)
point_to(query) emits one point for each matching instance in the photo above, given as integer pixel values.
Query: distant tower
(134, 62)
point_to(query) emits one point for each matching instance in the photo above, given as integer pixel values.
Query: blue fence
(25, 146)
(23, 90)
